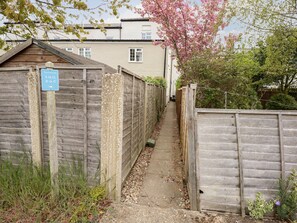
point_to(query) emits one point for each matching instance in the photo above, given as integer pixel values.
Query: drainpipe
(121, 31)
(170, 85)
(165, 60)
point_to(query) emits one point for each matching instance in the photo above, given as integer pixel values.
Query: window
(68, 49)
(135, 55)
(85, 52)
(146, 32)
(146, 35)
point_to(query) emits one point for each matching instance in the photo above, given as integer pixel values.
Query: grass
(26, 194)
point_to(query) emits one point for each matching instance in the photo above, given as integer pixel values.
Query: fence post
(85, 101)
(183, 125)
(145, 113)
(112, 134)
(281, 146)
(240, 164)
(132, 122)
(52, 135)
(191, 141)
(35, 112)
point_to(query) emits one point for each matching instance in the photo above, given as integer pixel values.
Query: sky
(235, 27)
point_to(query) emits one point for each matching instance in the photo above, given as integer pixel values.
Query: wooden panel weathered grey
(263, 137)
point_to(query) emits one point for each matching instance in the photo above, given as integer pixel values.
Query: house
(34, 52)
(129, 43)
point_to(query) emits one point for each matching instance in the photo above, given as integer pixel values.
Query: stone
(151, 143)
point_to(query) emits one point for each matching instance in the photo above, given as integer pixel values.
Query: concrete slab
(135, 213)
(166, 195)
(162, 167)
(162, 185)
(163, 155)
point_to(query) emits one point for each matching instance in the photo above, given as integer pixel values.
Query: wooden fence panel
(242, 153)
(78, 119)
(15, 128)
(142, 106)
(289, 124)
(127, 125)
(219, 174)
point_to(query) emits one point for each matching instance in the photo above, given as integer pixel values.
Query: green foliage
(178, 83)
(26, 193)
(281, 102)
(228, 72)
(287, 198)
(280, 63)
(31, 16)
(159, 81)
(263, 15)
(258, 208)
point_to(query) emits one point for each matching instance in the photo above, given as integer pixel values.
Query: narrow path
(161, 197)
(163, 184)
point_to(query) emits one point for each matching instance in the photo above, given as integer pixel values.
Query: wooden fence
(102, 119)
(236, 153)
(143, 103)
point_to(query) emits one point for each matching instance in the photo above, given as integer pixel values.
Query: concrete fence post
(145, 113)
(52, 135)
(35, 122)
(112, 134)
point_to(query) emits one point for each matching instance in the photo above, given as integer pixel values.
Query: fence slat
(85, 101)
(132, 121)
(240, 164)
(197, 163)
(281, 146)
(145, 113)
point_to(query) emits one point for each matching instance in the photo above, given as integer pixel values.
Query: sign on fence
(49, 80)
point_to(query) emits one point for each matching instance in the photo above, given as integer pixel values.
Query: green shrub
(259, 207)
(159, 81)
(178, 83)
(281, 102)
(286, 206)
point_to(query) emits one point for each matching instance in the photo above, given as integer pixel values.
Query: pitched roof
(72, 58)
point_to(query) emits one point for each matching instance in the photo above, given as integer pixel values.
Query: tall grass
(26, 193)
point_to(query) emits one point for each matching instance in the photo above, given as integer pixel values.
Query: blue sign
(49, 80)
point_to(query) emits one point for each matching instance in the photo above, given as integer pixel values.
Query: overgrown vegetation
(26, 193)
(178, 83)
(285, 203)
(281, 101)
(158, 81)
(224, 79)
(231, 78)
(286, 208)
(259, 207)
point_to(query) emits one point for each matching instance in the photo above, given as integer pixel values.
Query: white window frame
(85, 50)
(146, 35)
(68, 49)
(136, 49)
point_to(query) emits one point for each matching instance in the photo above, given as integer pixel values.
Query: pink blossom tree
(186, 27)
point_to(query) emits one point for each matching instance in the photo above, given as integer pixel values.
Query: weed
(26, 193)
(259, 207)
(286, 207)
